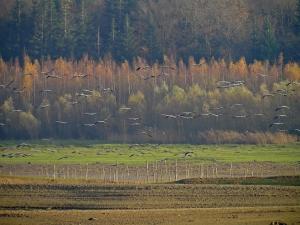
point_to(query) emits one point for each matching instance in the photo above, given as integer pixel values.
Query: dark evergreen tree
(269, 45)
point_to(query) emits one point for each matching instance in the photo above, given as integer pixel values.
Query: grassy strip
(82, 152)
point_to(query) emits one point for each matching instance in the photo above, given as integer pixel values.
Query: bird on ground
(236, 84)
(186, 154)
(292, 83)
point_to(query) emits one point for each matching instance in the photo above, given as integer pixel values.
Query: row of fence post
(149, 172)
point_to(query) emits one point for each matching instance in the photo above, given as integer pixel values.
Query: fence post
(87, 171)
(176, 175)
(54, 171)
(147, 168)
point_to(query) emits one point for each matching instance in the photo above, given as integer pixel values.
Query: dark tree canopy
(126, 29)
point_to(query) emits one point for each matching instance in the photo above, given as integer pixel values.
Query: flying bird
(167, 116)
(125, 108)
(46, 90)
(47, 72)
(135, 124)
(17, 110)
(276, 124)
(74, 102)
(258, 114)
(53, 76)
(134, 118)
(236, 105)
(262, 75)
(16, 90)
(90, 113)
(169, 67)
(44, 106)
(142, 68)
(61, 122)
(239, 116)
(81, 75)
(8, 84)
(282, 107)
(147, 133)
(267, 95)
(88, 124)
(279, 116)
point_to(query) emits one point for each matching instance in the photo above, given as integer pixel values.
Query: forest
(169, 102)
(125, 29)
(150, 71)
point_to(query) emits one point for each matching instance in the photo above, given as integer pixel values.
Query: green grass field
(82, 152)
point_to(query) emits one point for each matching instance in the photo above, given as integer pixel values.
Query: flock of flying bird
(281, 111)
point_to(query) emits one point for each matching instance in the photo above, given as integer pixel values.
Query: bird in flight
(282, 107)
(276, 124)
(8, 84)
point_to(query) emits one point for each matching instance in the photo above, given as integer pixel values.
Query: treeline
(170, 102)
(150, 29)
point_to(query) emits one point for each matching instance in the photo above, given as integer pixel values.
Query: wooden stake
(176, 175)
(54, 172)
(87, 171)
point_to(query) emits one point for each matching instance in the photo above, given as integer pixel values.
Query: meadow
(90, 182)
(83, 152)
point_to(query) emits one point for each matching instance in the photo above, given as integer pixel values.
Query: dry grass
(228, 216)
(260, 138)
